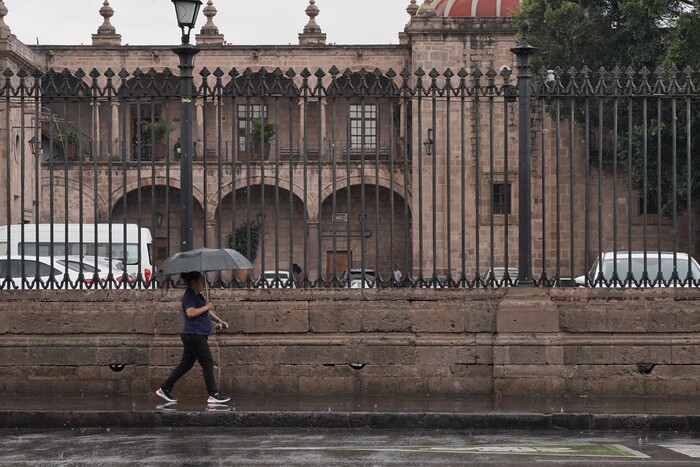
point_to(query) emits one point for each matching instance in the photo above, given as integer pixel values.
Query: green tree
(608, 33)
(659, 35)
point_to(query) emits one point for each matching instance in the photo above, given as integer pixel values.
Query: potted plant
(158, 129)
(239, 241)
(261, 130)
(70, 139)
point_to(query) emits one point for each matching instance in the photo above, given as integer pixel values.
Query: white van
(128, 243)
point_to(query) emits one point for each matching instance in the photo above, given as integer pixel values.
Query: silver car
(359, 278)
(89, 267)
(13, 270)
(636, 262)
(276, 280)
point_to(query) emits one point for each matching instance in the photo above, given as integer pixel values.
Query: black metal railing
(438, 179)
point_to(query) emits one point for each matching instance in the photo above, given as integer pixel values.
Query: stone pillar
(322, 115)
(115, 149)
(528, 356)
(97, 149)
(302, 120)
(212, 239)
(199, 124)
(314, 251)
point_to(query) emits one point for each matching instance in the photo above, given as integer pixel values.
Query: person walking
(198, 315)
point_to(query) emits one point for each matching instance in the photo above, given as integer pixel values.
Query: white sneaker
(167, 395)
(218, 398)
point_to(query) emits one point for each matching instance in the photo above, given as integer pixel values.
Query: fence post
(523, 52)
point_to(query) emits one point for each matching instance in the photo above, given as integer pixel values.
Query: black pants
(196, 349)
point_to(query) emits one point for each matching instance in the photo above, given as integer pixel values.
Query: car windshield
(357, 275)
(78, 266)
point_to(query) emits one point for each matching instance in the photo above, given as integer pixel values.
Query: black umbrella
(205, 260)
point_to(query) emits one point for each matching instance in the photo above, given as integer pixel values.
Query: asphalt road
(329, 447)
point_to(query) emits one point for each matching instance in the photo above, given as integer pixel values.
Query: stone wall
(440, 342)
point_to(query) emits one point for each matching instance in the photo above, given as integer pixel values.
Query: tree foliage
(659, 35)
(608, 33)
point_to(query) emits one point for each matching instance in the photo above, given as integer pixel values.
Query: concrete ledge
(14, 419)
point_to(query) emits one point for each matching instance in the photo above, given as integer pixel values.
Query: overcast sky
(246, 22)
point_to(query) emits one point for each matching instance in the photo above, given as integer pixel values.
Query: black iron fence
(438, 179)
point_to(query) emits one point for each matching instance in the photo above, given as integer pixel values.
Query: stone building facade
(428, 214)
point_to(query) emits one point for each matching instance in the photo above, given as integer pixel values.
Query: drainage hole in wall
(645, 368)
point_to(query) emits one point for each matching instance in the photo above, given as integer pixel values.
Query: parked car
(89, 267)
(45, 266)
(438, 282)
(495, 277)
(276, 280)
(359, 278)
(604, 266)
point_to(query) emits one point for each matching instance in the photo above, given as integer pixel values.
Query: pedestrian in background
(398, 277)
(198, 315)
(177, 149)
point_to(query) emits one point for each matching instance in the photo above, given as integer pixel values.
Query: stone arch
(226, 190)
(88, 200)
(378, 240)
(283, 224)
(156, 206)
(145, 182)
(383, 180)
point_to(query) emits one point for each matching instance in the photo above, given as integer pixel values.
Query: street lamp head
(186, 11)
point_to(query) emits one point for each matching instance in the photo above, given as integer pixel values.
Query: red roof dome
(476, 7)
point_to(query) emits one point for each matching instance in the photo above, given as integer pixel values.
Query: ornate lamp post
(524, 52)
(186, 11)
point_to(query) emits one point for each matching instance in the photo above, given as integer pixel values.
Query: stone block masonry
(511, 341)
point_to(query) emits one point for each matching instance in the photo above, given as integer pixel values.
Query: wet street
(221, 446)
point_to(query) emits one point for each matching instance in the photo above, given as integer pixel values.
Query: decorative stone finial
(312, 34)
(426, 9)
(107, 12)
(106, 34)
(210, 11)
(412, 8)
(209, 34)
(4, 28)
(312, 12)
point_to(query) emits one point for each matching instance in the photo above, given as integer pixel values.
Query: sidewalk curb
(15, 419)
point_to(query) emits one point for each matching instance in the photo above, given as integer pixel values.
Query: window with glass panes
(500, 198)
(246, 115)
(363, 126)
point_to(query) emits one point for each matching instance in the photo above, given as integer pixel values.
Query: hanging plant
(69, 137)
